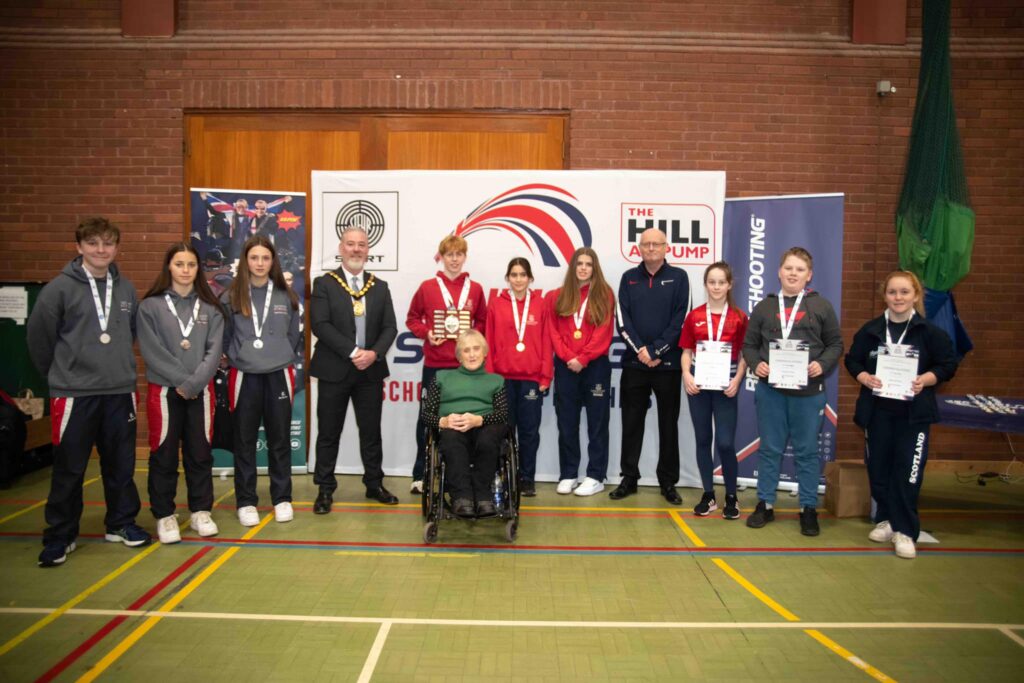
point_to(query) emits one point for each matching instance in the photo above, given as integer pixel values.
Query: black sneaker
(809, 522)
(760, 516)
(55, 552)
(132, 535)
(732, 508)
(706, 505)
(527, 489)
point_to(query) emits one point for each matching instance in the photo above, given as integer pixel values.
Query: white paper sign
(787, 361)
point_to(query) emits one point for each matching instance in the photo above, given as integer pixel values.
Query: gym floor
(593, 589)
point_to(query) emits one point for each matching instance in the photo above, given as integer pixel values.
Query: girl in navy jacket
(896, 429)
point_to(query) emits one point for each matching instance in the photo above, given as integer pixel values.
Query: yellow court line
(694, 538)
(754, 590)
(21, 637)
(175, 600)
(41, 503)
(848, 656)
(779, 609)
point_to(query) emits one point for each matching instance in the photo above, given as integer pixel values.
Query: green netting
(934, 221)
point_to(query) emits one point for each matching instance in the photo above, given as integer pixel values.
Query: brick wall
(773, 93)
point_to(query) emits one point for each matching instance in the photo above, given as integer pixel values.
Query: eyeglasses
(653, 245)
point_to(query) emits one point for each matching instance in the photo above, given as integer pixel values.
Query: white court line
(1012, 636)
(315, 618)
(371, 659)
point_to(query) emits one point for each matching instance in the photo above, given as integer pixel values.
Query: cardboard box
(847, 493)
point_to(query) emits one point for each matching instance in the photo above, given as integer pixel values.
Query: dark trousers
(108, 422)
(524, 409)
(590, 390)
(896, 452)
(266, 398)
(471, 460)
(635, 390)
(175, 421)
(421, 426)
(715, 408)
(331, 407)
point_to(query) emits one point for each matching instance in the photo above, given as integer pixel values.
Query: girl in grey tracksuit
(261, 340)
(180, 329)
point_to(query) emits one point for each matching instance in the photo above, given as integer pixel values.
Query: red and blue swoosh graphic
(543, 217)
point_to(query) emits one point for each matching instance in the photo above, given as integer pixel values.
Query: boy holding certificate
(793, 341)
(898, 358)
(714, 332)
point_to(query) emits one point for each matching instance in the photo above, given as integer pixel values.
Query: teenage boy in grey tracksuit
(80, 336)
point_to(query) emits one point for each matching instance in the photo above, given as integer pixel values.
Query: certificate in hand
(713, 365)
(787, 361)
(897, 368)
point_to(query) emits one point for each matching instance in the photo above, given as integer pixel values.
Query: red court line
(95, 638)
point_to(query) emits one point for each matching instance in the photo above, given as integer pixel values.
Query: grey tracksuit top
(64, 335)
(282, 339)
(169, 365)
(816, 324)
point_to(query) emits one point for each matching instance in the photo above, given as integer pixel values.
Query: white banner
(541, 215)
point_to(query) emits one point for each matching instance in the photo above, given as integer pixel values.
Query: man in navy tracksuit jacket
(654, 298)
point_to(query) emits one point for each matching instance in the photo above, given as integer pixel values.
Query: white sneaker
(589, 487)
(167, 530)
(283, 512)
(882, 533)
(248, 516)
(904, 546)
(417, 486)
(203, 524)
(566, 486)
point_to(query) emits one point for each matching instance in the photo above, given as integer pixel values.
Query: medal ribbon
(187, 329)
(787, 325)
(520, 327)
(102, 311)
(888, 337)
(257, 326)
(721, 323)
(446, 295)
(577, 318)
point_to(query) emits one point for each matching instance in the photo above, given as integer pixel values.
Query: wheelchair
(436, 507)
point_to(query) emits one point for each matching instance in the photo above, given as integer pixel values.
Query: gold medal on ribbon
(577, 334)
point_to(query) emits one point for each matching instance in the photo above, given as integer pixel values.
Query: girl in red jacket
(517, 333)
(714, 332)
(580, 323)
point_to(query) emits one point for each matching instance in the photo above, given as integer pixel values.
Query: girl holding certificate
(181, 329)
(898, 358)
(793, 341)
(520, 351)
(580, 322)
(261, 340)
(714, 333)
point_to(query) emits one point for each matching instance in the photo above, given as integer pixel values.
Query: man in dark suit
(353, 318)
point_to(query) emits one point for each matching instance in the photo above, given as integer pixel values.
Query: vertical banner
(757, 232)
(222, 220)
(543, 216)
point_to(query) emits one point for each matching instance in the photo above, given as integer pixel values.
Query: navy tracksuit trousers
(524, 410)
(896, 452)
(109, 422)
(590, 390)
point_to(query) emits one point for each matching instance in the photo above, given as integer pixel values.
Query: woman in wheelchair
(468, 407)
